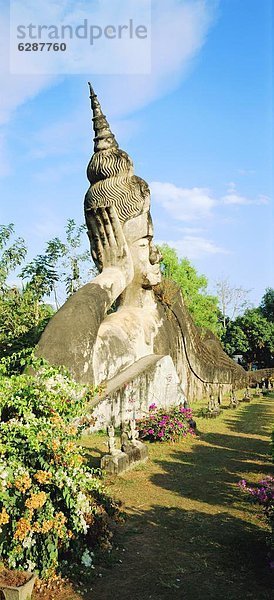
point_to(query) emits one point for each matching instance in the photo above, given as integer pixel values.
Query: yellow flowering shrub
(36, 500)
(4, 517)
(23, 483)
(43, 476)
(23, 527)
(51, 503)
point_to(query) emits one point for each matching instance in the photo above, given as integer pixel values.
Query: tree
(11, 256)
(251, 335)
(22, 316)
(232, 300)
(75, 260)
(267, 304)
(23, 312)
(22, 321)
(202, 306)
(60, 266)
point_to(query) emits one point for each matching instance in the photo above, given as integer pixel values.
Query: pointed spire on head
(104, 138)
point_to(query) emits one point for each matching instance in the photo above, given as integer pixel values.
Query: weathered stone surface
(255, 377)
(120, 462)
(22, 592)
(152, 379)
(99, 347)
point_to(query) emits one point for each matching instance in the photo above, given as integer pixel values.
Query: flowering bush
(51, 503)
(263, 494)
(165, 425)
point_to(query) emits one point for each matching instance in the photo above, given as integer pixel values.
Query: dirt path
(190, 533)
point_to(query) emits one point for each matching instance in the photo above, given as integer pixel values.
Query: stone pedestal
(22, 592)
(123, 460)
(212, 414)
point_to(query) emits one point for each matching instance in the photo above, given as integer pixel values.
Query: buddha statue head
(113, 183)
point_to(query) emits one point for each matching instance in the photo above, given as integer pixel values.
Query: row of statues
(128, 437)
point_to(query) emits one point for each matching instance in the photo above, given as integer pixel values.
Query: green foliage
(202, 306)
(41, 275)
(11, 256)
(60, 262)
(73, 257)
(251, 335)
(51, 503)
(267, 304)
(22, 320)
(23, 313)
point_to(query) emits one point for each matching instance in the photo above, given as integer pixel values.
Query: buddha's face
(146, 257)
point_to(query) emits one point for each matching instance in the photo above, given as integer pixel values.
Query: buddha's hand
(109, 247)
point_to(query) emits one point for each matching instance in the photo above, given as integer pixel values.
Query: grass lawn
(190, 533)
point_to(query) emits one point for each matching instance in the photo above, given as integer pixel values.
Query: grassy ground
(190, 533)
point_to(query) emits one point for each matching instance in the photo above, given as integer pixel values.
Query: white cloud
(195, 247)
(179, 30)
(16, 89)
(190, 230)
(196, 204)
(246, 172)
(233, 197)
(263, 199)
(183, 204)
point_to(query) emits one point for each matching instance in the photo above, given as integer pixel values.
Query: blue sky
(198, 129)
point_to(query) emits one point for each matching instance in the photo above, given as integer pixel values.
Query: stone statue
(134, 433)
(213, 404)
(111, 440)
(233, 400)
(246, 397)
(124, 436)
(95, 345)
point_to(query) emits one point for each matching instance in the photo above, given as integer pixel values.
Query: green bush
(51, 503)
(23, 318)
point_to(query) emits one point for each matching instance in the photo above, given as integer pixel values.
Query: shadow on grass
(93, 457)
(211, 471)
(254, 418)
(205, 552)
(188, 555)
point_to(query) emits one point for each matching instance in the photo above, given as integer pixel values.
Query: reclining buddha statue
(97, 344)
